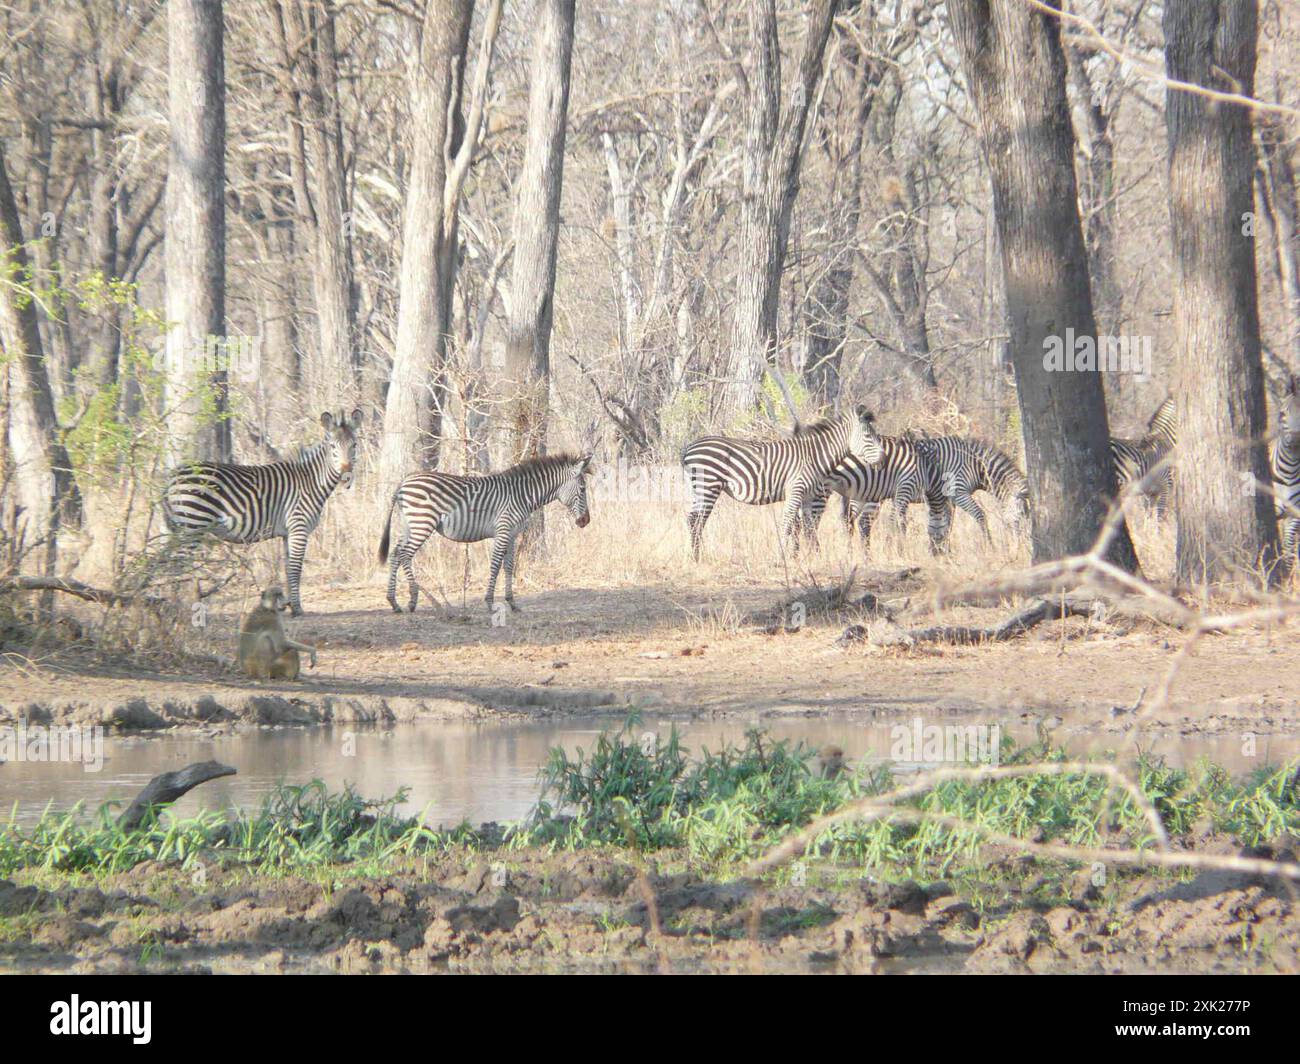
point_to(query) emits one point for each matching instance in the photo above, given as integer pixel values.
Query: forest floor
(679, 649)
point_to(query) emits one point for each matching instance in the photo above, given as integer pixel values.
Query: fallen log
(1035, 613)
(167, 787)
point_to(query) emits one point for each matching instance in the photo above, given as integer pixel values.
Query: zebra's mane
(999, 466)
(542, 462)
(814, 428)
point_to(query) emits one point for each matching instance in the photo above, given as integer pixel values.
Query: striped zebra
(468, 509)
(964, 466)
(1135, 459)
(250, 503)
(904, 475)
(1284, 459)
(758, 472)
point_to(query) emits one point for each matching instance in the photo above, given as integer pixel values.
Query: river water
(455, 771)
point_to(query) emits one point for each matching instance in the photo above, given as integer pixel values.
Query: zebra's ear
(585, 467)
(327, 421)
(355, 420)
(864, 414)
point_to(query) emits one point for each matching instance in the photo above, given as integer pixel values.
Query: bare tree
(774, 141)
(196, 229)
(43, 474)
(308, 51)
(442, 146)
(527, 368)
(1015, 68)
(1221, 527)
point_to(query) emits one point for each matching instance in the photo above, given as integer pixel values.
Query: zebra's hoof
(511, 604)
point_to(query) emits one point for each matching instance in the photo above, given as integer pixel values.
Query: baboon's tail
(388, 524)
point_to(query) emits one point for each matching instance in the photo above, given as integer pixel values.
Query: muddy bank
(532, 911)
(152, 703)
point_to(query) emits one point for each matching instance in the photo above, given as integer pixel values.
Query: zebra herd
(844, 454)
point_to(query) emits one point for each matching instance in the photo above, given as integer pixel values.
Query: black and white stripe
(904, 475)
(1140, 460)
(1285, 461)
(250, 503)
(758, 472)
(965, 466)
(468, 509)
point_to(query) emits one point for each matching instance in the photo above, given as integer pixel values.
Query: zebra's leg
(938, 524)
(704, 496)
(792, 518)
(503, 544)
(902, 500)
(412, 540)
(966, 501)
(865, 515)
(295, 551)
(1290, 543)
(810, 516)
(510, 575)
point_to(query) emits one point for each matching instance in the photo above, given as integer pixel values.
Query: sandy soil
(530, 911)
(690, 649)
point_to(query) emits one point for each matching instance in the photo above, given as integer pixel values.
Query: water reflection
(458, 771)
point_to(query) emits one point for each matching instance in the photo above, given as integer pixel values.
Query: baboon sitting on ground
(265, 652)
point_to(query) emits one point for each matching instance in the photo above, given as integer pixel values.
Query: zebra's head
(1288, 415)
(341, 444)
(573, 491)
(864, 443)
(1016, 503)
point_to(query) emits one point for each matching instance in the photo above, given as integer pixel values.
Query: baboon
(829, 762)
(265, 652)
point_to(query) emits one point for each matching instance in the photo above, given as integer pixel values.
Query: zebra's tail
(388, 524)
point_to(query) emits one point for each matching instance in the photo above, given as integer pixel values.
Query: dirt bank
(532, 911)
(690, 650)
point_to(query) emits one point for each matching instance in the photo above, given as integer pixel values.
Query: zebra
(1134, 460)
(1284, 460)
(758, 472)
(468, 509)
(250, 503)
(904, 474)
(964, 466)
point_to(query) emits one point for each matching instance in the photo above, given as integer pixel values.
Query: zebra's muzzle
(583, 520)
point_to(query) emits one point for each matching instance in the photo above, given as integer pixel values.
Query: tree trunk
(196, 231)
(425, 280)
(1015, 68)
(321, 194)
(42, 472)
(537, 225)
(1223, 530)
(1097, 197)
(1278, 188)
(770, 181)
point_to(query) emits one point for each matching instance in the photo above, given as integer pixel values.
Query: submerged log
(167, 787)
